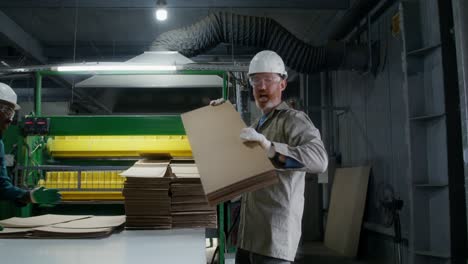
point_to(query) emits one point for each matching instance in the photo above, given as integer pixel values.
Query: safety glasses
(256, 81)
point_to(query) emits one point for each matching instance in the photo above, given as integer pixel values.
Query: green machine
(37, 134)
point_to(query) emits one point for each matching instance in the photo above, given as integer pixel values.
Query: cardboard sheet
(147, 210)
(53, 229)
(94, 222)
(42, 220)
(56, 232)
(148, 222)
(15, 232)
(346, 210)
(72, 226)
(179, 189)
(183, 207)
(184, 170)
(188, 199)
(227, 166)
(147, 169)
(194, 219)
(138, 193)
(12, 230)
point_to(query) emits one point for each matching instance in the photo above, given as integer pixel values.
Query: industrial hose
(264, 33)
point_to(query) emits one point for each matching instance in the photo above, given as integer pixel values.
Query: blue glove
(45, 196)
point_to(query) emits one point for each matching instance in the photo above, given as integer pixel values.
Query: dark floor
(306, 254)
(316, 253)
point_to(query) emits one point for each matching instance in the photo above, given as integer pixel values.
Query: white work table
(142, 246)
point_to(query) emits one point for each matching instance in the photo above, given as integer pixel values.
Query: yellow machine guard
(93, 185)
(118, 146)
(100, 185)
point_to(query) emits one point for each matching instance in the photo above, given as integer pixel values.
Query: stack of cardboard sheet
(205, 219)
(188, 196)
(61, 226)
(146, 192)
(228, 167)
(189, 206)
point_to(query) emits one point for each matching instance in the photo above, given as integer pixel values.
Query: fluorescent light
(92, 68)
(161, 14)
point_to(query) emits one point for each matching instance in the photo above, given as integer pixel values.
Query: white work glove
(217, 102)
(249, 134)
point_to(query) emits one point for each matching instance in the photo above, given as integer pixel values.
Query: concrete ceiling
(59, 31)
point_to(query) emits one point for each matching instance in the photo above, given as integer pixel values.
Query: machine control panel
(36, 126)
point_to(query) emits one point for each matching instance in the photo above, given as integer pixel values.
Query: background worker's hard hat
(7, 94)
(267, 61)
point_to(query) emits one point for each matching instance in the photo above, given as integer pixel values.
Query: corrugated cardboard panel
(224, 162)
(147, 169)
(184, 170)
(41, 220)
(94, 222)
(346, 210)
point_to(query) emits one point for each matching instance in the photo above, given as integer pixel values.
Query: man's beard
(267, 107)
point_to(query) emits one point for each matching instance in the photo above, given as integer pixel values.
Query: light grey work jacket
(270, 220)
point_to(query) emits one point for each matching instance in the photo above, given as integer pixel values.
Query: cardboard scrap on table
(41, 220)
(94, 222)
(61, 226)
(57, 232)
(227, 166)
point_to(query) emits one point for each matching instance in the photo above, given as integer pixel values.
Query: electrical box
(28, 126)
(36, 126)
(42, 126)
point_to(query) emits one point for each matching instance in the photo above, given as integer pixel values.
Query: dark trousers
(247, 257)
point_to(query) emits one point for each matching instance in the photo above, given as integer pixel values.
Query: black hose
(214, 255)
(264, 33)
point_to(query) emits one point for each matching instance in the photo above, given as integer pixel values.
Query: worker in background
(270, 220)
(7, 190)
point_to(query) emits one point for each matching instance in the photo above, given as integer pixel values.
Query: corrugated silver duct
(265, 33)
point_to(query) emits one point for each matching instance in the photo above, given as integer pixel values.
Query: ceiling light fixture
(110, 68)
(161, 12)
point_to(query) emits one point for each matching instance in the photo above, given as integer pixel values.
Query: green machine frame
(112, 125)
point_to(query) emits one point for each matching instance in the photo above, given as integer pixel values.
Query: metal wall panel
(460, 11)
(375, 130)
(394, 107)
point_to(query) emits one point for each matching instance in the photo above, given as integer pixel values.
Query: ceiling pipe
(353, 16)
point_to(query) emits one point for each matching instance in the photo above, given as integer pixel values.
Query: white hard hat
(267, 61)
(7, 94)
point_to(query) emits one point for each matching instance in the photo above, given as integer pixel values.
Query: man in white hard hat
(270, 221)
(8, 105)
